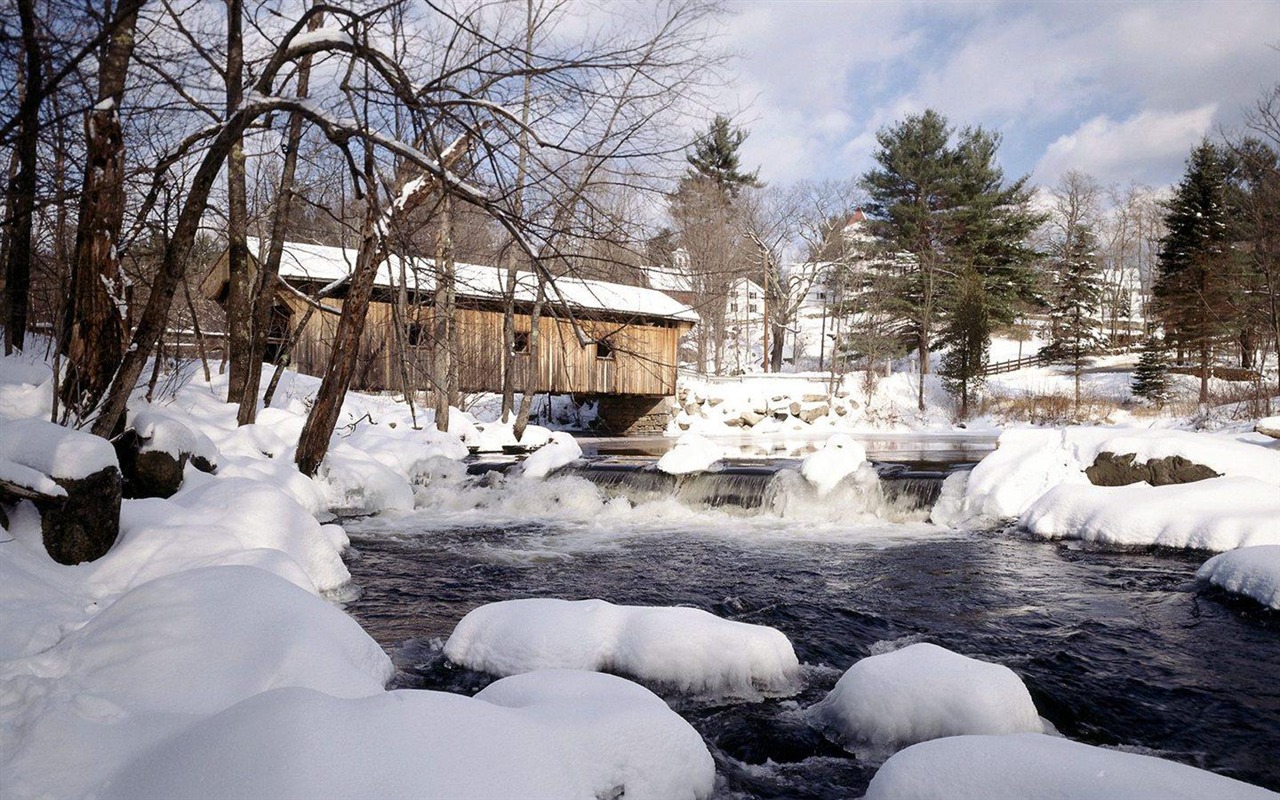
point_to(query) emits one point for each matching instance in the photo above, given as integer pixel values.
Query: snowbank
(841, 456)
(1035, 766)
(1029, 462)
(559, 735)
(560, 450)
(1216, 514)
(926, 692)
(26, 388)
(691, 453)
(686, 649)
(1250, 571)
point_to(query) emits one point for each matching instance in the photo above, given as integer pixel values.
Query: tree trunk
(1204, 372)
(93, 325)
(22, 189)
(264, 290)
(531, 386)
(240, 272)
(442, 347)
(314, 442)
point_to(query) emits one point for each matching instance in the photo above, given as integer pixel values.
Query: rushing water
(1117, 648)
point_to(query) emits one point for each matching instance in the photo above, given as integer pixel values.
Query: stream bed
(1117, 648)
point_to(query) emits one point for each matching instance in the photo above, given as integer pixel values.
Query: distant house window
(733, 306)
(822, 295)
(753, 296)
(604, 351)
(417, 334)
(521, 344)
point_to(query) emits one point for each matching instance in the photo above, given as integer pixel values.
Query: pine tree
(965, 338)
(940, 196)
(1077, 296)
(1151, 377)
(715, 157)
(1198, 269)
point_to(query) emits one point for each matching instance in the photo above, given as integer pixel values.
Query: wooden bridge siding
(643, 362)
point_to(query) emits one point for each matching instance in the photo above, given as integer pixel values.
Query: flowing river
(1117, 648)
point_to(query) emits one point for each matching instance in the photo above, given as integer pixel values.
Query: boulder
(153, 473)
(1111, 469)
(1269, 427)
(83, 525)
(714, 401)
(734, 422)
(795, 408)
(752, 417)
(814, 412)
(814, 398)
(841, 410)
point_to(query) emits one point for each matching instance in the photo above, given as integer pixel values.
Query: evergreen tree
(939, 195)
(1198, 268)
(715, 158)
(1073, 309)
(1151, 378)
(965, 338)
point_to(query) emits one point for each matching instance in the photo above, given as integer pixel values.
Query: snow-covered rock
(841, 456)
(1250, 571)
(685, 649)
(923, 692)
(691, 453)
(54, 450)
(1216, 514)
(1030, 462)
(560, 450)
(554, 736)
(164, 433)
(626, 735)
(1033, 766)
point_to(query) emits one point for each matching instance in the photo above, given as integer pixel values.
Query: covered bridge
(630, 364)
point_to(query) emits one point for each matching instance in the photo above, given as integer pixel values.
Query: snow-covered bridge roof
(318, 263)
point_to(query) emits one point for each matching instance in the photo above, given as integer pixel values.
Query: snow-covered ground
(204, 650)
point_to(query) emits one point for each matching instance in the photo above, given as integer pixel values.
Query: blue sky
(1119, 90)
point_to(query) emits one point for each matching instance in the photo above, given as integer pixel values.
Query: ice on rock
(825, 468)
(560, 450)
(1216, 514)
(1250, 571)
(925, 692)
(691, 453)
(1033, 766)
(686, 649)
(559, 737)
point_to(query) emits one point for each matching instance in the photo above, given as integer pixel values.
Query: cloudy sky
(1121, 90)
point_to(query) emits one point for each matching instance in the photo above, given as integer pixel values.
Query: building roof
(666, 279)
(321, 264)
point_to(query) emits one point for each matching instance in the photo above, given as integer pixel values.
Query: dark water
(1116, 648)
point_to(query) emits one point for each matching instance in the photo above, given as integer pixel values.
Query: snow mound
(1035, 766)
(163, 433)
(1029, 462)
(827, 467)
(560, 450)
(683, 648)
(354, 482)
(1216, 514)
(632, 744)
(214, 520)
(691, 453)
(1250, 571)
(406, 450)
(54, 450)
(578, 741)
(26, 388)
(200, 641)
(926, 692)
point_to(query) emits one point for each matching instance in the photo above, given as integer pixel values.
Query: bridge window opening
(520, 345)
(604, 351)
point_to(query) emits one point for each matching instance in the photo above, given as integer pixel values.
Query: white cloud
(1138, 147)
